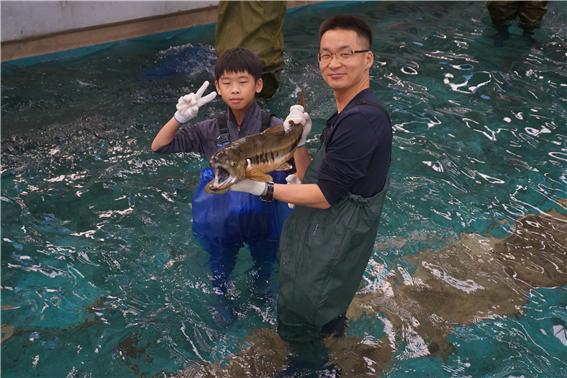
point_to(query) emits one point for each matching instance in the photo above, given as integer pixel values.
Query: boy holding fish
(224, 223)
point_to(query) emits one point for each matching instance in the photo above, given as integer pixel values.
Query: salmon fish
(252, 157)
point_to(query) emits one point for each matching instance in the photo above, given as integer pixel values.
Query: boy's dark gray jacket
(201, 137)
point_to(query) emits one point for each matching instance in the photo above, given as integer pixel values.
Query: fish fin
(284, 167)
(277, 130)
(301, 99)
(257, 175)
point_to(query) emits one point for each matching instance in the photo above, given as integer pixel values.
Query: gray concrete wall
(25, 19)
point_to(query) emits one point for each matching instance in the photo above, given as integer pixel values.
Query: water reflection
(470, 280)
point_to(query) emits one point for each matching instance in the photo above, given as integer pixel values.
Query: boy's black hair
(347, 22)
(238, 59)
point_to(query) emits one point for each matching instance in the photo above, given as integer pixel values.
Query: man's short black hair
(347, 22)
(238, 59)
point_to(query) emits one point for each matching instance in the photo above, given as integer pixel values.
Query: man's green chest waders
(323, 255)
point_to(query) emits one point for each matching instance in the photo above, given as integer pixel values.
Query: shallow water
(101, 275)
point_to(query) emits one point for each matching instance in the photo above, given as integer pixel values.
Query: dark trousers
(310, 355)
(530, 13)
(222, 260)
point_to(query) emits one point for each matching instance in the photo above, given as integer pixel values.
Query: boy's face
(238, 89)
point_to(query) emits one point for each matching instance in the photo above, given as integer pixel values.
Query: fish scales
(253, 157)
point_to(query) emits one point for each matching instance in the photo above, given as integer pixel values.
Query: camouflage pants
(530, 13)
(258, 26)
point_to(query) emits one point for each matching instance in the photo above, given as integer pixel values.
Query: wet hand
(188, 105)
(256, 188)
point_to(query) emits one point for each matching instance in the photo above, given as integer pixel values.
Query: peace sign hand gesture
(188, 105)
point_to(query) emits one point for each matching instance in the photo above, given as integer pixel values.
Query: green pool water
(101, 275)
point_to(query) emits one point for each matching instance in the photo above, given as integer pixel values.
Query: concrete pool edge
(35, 46)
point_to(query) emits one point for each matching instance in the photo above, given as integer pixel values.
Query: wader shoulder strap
(224, 135)
(266, 120)
(223, 128)
(221, 123)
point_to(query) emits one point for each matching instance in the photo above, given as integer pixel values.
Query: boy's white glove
(188, 105)
(298, 115)
(256, 188)
(292, 179)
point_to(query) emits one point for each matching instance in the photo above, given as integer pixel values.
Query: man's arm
(308, 195)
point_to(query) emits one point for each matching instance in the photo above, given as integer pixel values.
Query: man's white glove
(292, 179)
(298, 115)
(188, 105)
(256, 188)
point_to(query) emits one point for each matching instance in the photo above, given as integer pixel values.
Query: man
(328, 239)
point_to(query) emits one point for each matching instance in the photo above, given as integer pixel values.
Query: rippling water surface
(101, 275)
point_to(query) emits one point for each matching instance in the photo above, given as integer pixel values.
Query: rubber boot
(502, 34)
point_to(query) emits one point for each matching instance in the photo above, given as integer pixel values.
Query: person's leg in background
(258, 26)
(502, 13)
(531, 15)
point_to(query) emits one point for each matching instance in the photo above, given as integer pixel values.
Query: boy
(224, 222)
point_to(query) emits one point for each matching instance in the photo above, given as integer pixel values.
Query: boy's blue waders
(223, 223)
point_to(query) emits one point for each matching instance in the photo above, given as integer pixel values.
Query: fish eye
(232, 163)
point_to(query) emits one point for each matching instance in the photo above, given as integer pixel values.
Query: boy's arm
(187, 108)
(166, 134)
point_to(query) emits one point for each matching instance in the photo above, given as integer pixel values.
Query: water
(102, 277)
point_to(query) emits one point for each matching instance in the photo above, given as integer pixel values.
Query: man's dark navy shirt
(358, 145)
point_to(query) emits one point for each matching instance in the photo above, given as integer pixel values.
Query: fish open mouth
(222, 179)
